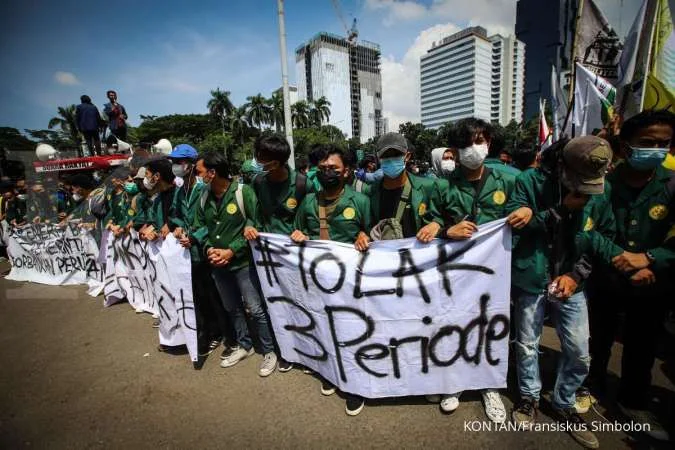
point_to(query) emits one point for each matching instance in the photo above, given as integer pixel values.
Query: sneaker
(449, 403)
(214, 344)
(155, 323)
(237, 355)
(525, 412)
(494, 407)
(577, 427)
(205, 351)
(227, 350)
(284, 366)
(307, 371)
(584, 401)
(139, 310)
(435, 398)
(268, 364)
(354, 405)
(327, 388)
(648, 420)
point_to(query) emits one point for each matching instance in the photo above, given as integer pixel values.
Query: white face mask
(472, 157)
(448, 166)
(149, 185)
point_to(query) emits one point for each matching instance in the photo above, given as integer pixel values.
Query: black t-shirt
(389, 200)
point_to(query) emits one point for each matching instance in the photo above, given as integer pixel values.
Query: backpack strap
(358, 186)
(323, 221)
(403, 202)
(239, 195)
(203, 198)
(300, 186)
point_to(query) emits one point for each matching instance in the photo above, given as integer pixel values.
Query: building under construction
(348, 75)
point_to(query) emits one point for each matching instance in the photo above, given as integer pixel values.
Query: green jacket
(454, 199)
(118, 207)
(645, 223)
(361, 186)
(421, 196)
(497, 164)
(139, 210)
(225, 223)
(551, 243)
(351, 216)
(183, 212)
(278, 202)
(43, 205)
(156, 213)
(16, 210)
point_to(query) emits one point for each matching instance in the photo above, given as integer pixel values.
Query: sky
(164, 56)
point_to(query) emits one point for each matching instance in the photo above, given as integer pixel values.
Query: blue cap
(183, 151)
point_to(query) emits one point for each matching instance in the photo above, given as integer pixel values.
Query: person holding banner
(552, 207)
(400, 200)
(212, 325)
(159, 181)
(638, 279)
(474, 195)
(118, 202)
(279, 189)
(229, 212)
(42, 203)
(82, 185)
(336, 213)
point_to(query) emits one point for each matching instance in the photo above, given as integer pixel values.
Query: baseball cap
(393, 141)
(140, 174)
(183, 151)
(585, 161)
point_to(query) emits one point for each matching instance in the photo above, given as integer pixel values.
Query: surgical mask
(648, 158)
(259, 168)
(472, 157)
(199, 180)
(393, 167)
(178, 170)
(149, 185)
(77, 197)
(131, 188)
(448, 166)
(329, 179)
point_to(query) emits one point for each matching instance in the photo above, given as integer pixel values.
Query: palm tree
(257, 110)
(300, 114)
(67, 122)
(220, 106)
(276, 109)
(238, 124)
(320, 111)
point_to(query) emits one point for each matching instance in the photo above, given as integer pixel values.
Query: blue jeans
(235, 286)
(571, 322)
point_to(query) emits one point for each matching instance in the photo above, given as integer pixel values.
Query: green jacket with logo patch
(351, 216)
(118, 207)
(225, 223)
(454, 199)
(278, 202)
(183, 212)
(421, 196)
(551, 243)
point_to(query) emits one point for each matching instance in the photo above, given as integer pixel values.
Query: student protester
(336, 213)
(230, 213)
(498, 157)
(117, 116)
(475, 194)
(301, 165)
(249, 169)
(525, 158)
(88, 120)
(212, 325)
(117, 200)
(82, 186)
(313, 184)
(638, 281)
(159, 179)
(352, 180)
(65, 201)
(551, 206)
(443, 162)
(400, 201)
(42, 203)
(17, 207)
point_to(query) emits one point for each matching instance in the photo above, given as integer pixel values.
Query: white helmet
(163, 146)
(45, 152)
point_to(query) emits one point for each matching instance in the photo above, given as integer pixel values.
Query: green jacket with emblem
(118, 207)
(551, 243)
(350, 217)
(423, 190)
(454, 199)
(183, 212)
(225, 223)
(278, 202)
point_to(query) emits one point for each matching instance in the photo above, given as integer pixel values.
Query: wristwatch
(650, 257)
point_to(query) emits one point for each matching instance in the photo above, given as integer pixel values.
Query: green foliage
(67, 124)
(12, 140)
(190, 127)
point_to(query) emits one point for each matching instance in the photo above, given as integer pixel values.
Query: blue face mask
(393, 167)
(647, 158)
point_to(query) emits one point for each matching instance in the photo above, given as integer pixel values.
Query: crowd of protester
(593, 235)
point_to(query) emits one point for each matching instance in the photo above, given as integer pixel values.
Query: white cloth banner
(48, 254)
(154, 277)
(401, 319)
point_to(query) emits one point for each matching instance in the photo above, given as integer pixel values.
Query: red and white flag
(545, 136)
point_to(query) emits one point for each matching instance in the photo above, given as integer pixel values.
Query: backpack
(390, 228)
(239, 195)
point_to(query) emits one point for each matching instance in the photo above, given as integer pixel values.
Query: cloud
(66, 78)
(401, 77)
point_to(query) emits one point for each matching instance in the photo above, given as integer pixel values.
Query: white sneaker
(155, 316)
(494, 407)
(139, 310)
(237, 355)
(434, 398)
(449, 403)
(268, 364)
(651, 425)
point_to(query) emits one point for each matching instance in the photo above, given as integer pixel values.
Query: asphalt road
(76, 375)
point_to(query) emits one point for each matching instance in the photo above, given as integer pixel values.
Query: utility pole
(288, 125)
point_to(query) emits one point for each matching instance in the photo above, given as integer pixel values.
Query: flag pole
(657, 11)
(288, 125)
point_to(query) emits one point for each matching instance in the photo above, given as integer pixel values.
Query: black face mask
(329, 179)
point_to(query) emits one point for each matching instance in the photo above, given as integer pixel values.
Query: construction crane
(352, 33)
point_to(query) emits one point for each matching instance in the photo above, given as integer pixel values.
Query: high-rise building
(292, 93)
(469, 74)
(548, 37)
(348, 75)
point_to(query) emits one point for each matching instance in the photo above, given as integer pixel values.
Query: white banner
(154, 277)
(401, 319)
(49, 254)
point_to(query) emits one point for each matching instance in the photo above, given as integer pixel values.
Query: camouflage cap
(389, 141)
(586, 160)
